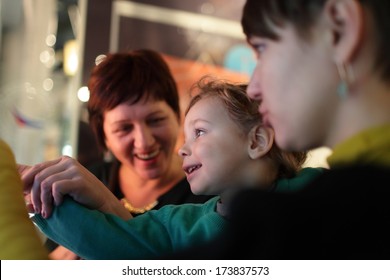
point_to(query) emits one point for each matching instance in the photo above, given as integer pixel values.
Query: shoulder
(341, 214)
(328, 187)
(352, 180)
(300, 181)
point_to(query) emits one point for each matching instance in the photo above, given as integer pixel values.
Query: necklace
(135, 210)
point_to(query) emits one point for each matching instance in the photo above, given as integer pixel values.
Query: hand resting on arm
(47, 183)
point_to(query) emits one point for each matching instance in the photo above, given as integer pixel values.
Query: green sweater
(95, 235)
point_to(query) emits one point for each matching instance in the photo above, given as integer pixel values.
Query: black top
(108, 173)
(344, 214)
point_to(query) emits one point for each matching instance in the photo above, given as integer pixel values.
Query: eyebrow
(191, 125)
(150, 114)
(193, 122)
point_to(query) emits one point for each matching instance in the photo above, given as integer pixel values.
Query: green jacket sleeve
(95, 235)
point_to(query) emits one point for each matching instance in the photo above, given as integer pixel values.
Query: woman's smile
(147, 156)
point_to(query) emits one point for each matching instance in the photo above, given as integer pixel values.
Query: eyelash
(259, 48)
(151, 122)
(124, 128)
(156, 120)
(199, 132)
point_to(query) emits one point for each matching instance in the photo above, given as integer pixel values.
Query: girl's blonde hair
(244, 112)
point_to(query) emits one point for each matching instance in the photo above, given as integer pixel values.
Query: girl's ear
(345, 22)
(261, 140)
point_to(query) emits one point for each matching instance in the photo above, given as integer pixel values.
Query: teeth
(148, 156)
(191, 169)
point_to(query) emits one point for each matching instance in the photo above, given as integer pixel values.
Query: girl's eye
(198, 133)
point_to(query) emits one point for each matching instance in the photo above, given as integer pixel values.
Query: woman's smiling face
(142, 136)
(214, 147)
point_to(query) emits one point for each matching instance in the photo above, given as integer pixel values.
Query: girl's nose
(183, 151)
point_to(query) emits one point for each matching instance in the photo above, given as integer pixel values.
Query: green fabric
(95, 235)
(300, 181)
(371, 146)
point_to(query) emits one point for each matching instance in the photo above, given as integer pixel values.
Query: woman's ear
(345, 24)
(261, 140)
(107, 144)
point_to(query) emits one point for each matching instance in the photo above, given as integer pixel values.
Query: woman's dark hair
(128, 78)
(259, 17)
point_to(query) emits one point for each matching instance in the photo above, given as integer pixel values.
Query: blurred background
(48, 48)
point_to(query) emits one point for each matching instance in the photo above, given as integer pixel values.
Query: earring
(342, 90)
(346, 77)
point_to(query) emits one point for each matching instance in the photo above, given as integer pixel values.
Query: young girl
(227, 148)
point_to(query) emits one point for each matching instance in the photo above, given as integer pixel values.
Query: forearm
(92, 234)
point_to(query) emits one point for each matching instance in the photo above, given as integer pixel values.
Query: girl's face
(213, 149)
(143, 136)
(296, 81)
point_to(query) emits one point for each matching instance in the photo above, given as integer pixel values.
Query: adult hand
(48, 183)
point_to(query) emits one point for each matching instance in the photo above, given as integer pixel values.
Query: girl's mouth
(188, 170)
